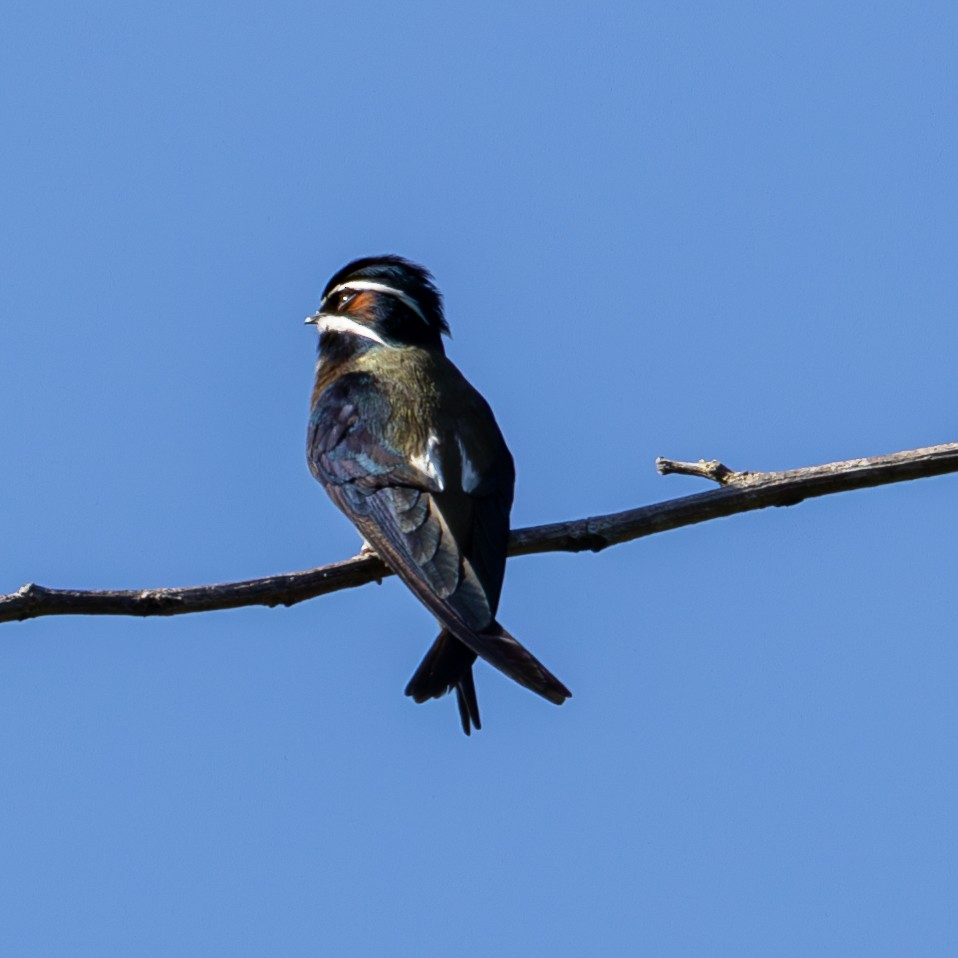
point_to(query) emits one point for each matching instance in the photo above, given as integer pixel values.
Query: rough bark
(737, 492)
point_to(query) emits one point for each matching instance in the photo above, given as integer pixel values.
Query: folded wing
(440, 525)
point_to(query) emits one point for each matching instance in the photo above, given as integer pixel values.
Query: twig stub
(704, 469)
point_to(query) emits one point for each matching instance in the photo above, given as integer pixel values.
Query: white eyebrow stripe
(329, 323)
(368, 284)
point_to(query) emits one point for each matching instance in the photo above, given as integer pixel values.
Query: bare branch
(738, 492)
(713, 469)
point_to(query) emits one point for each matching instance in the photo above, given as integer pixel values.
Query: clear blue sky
(709, 230)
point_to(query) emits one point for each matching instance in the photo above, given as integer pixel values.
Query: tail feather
(467, 701)
(441, 668)
(448, 665)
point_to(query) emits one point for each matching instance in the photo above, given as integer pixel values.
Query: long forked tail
(448, 665)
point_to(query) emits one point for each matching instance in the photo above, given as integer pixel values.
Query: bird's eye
(344, 297)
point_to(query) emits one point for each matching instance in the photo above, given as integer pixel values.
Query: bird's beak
(314, 319)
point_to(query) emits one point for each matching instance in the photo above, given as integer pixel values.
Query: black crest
(408, 277)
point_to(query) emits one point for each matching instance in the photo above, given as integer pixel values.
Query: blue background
(696, 230)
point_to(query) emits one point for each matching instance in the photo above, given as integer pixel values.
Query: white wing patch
(428, 463)
(470, 478)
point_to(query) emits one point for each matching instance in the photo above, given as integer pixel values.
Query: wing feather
(448, 545)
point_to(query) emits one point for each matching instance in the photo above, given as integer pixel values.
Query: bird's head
(382, 300)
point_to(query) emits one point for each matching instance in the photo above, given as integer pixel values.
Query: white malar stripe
(329, 323)
(470, 478)
(428, 462)
(368, 284)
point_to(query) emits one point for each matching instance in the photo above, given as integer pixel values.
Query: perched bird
(413, 455)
